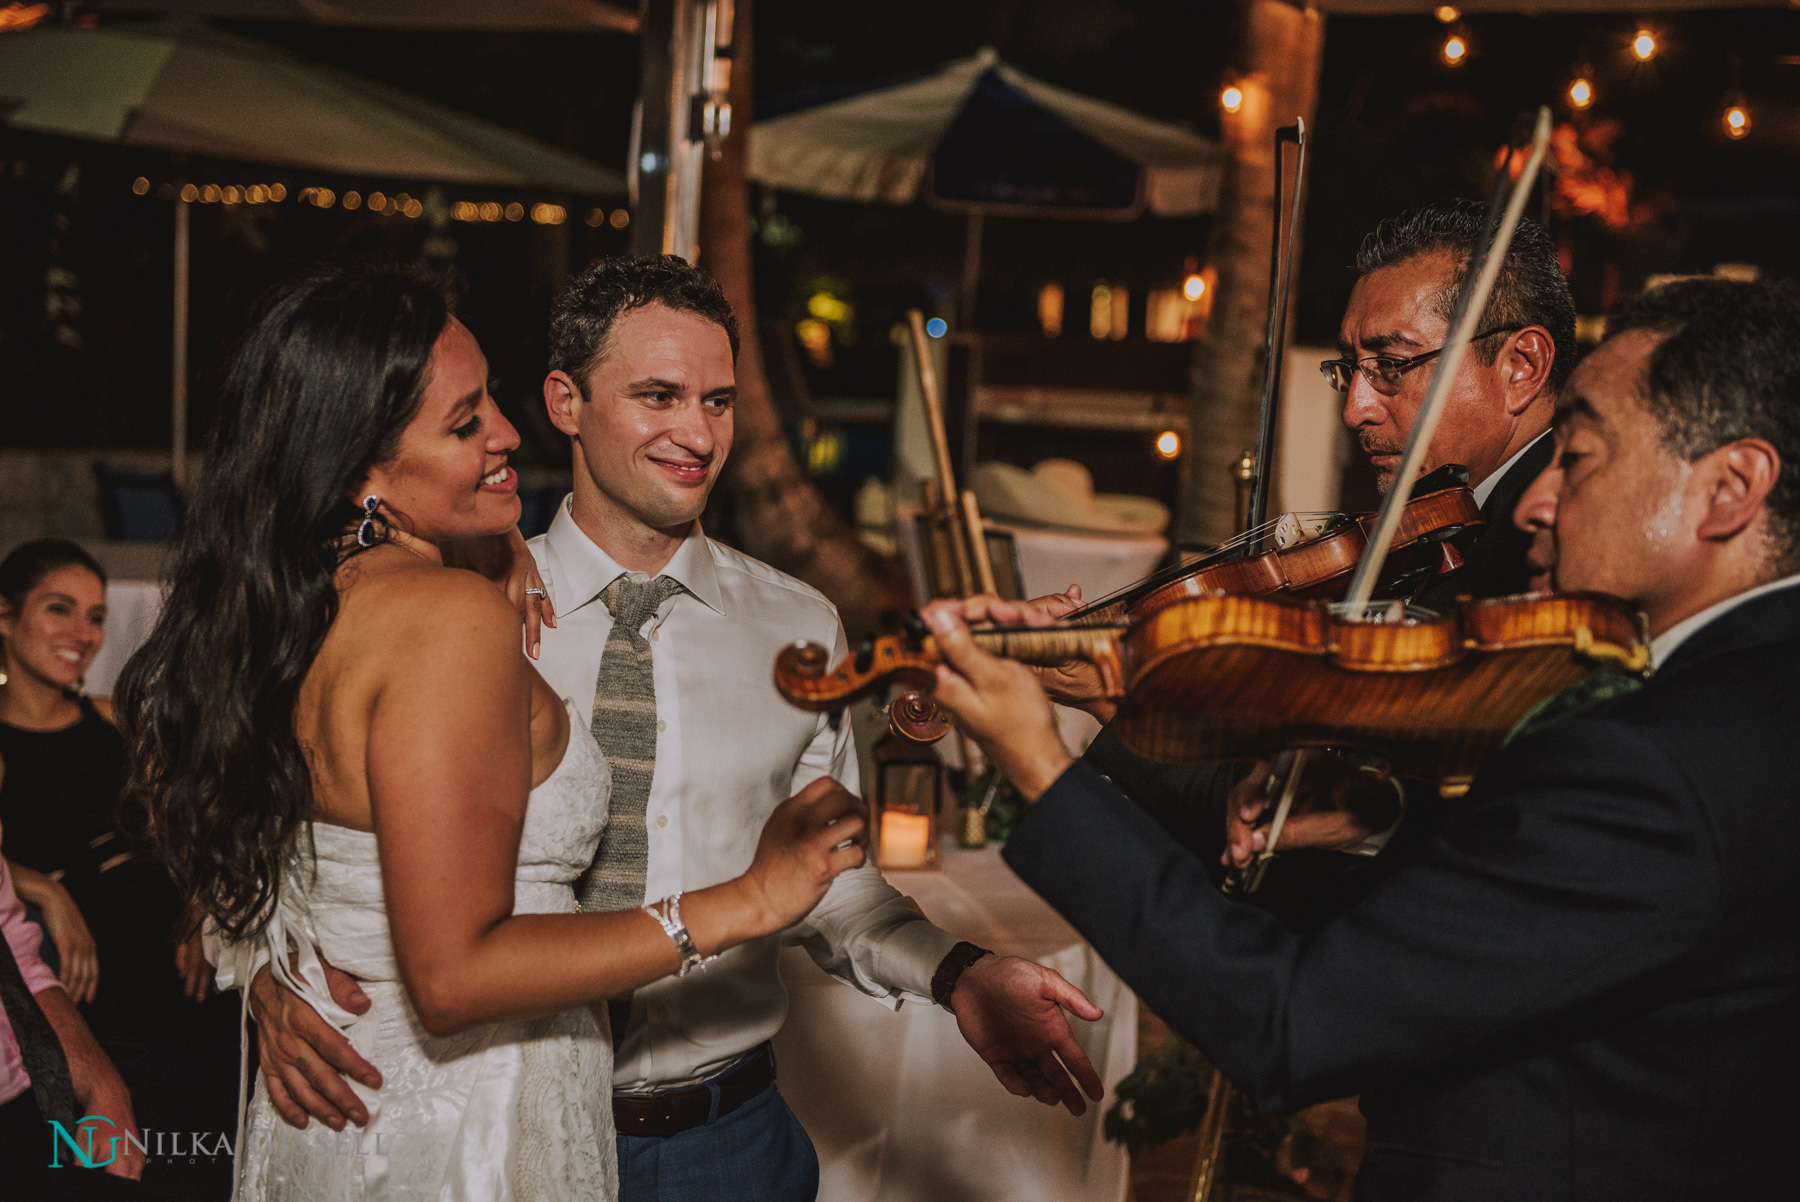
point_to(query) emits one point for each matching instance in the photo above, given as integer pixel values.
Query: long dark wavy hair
(330, 374)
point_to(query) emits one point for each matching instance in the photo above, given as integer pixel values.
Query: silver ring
(534, 592)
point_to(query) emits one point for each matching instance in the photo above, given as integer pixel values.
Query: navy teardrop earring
(365, 530)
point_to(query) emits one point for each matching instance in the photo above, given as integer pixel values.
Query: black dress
(59, 806)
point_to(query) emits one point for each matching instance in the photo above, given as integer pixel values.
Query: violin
(1224, 677)
(1295, 565)
(1316, 564)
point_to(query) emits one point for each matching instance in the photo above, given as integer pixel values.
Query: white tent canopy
(571, 16)
(878, 145)
(184, 88)
(192, 90)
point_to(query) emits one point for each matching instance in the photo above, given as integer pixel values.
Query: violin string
(1217, 554)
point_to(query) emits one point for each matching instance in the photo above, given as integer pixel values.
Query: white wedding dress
(514, 1112)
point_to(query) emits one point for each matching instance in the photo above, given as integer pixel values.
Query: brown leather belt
(679, 1110)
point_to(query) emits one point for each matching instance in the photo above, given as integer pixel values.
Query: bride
(345, 752)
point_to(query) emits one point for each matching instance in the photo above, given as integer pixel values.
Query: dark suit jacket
(1305, 888)
(1586, 985)
(1494, 565)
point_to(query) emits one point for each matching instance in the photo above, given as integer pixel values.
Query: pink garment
(24, 936)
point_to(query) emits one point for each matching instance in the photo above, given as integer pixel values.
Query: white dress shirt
(1664, 644)
(1486, 488)
(729, 749)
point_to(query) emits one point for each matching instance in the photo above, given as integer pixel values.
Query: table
(899, 1107)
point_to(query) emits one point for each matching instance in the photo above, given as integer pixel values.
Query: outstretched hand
(1011, 1012)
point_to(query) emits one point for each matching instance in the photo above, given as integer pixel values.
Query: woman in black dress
(107, 905)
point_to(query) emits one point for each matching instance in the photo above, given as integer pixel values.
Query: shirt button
(661, 725)
(662, 820)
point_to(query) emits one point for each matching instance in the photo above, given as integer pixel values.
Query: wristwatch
(951, 969)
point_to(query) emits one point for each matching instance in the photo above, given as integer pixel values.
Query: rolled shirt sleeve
(864, 931)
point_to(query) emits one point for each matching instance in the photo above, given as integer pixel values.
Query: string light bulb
(1232, 98)
(1737, 121)
(1168, 445)
(1643, 45)
(1194, 286)
(1449, 14)
(1455, 49)
(1581, 92)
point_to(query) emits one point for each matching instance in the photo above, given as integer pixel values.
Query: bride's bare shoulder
(401, 602)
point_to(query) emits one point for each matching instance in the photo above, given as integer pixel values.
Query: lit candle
(905, 839)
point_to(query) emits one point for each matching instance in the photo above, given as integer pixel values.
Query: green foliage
(1163, 1098)
(1003, 812)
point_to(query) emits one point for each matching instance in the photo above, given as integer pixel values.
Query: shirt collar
(580, 570)
(1486, 488)
(1664, 644)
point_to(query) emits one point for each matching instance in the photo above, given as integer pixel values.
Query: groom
(680, 696)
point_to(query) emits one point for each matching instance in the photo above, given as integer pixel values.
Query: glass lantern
(909, 780)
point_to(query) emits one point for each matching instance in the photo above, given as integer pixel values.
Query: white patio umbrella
(983, 137)
(562, 16)
(192, 90)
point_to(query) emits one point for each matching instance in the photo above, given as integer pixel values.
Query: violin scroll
(914, 716)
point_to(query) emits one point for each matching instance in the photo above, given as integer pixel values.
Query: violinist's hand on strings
(1075, 683)
(998, 703)
(1338, 807)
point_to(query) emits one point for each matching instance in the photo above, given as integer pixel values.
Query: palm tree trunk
(774, 512)
(1282, 50)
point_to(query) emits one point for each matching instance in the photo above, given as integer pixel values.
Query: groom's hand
(303, 1055)
(1011, 1012)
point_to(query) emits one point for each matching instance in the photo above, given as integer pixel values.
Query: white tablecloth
(131, 609)
(1051, 560)
(901, 1109)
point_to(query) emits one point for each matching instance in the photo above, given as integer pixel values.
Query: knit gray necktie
(624, 726)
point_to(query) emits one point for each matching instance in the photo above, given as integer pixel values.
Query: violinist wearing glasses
(1585, 984)
(1495, 424)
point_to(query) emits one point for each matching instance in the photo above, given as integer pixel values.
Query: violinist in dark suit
(1586, 984)
(1497, 425)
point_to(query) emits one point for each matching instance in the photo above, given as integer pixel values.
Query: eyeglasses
(1383, 372)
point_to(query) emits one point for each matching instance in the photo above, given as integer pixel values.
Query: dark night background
(1394, 128)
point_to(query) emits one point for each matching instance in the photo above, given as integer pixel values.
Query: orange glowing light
(1449, 14)
(1231, 99)
(1643, 46)
(1455, 50)
(1194, 287)
(1168, 445)
(1581, 93)
(1737, 121)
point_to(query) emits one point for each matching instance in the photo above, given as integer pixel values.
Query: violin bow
(1504, 211)
(1275, 342)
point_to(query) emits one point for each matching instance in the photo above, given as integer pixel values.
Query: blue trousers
(757, 1153)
